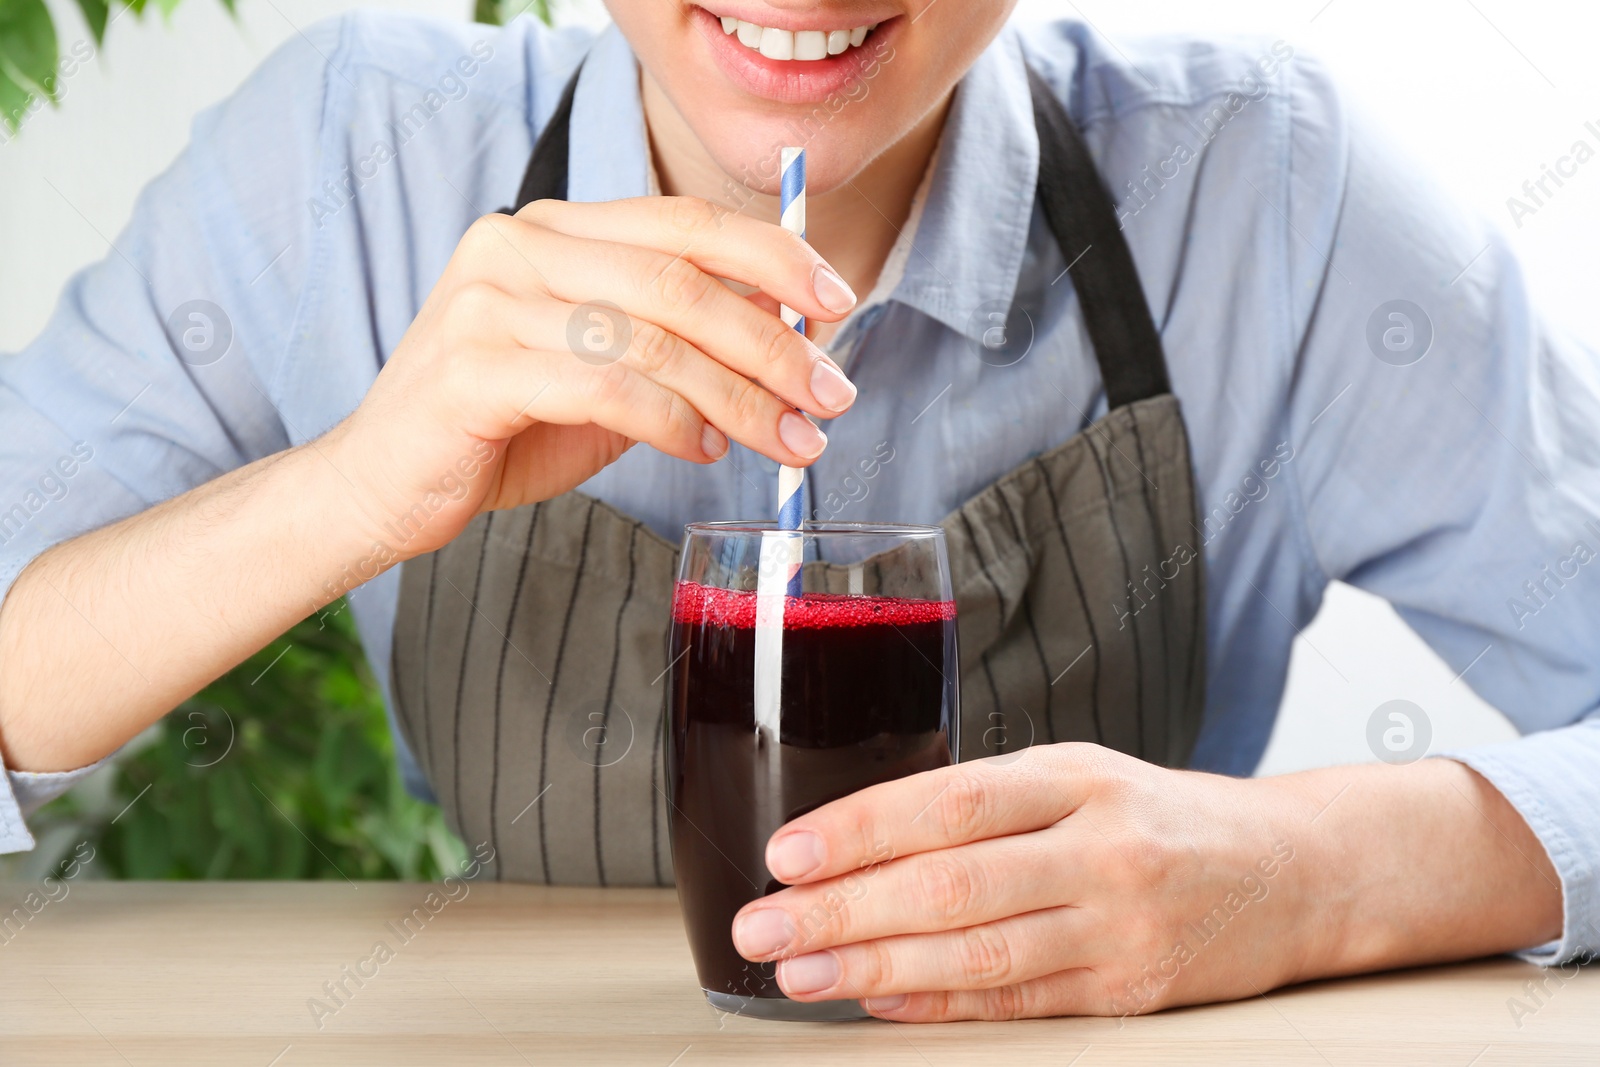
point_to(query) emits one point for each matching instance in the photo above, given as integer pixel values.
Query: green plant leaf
(96, 13)
(28, 44)
(14, 101)
(500, 12)
(282, 768)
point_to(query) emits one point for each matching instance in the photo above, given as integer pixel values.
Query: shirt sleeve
(1450, 463)
(156, 371)
(28, 791)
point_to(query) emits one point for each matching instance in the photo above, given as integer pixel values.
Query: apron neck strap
(1076, 204)
(1084, 220)
(546, 176)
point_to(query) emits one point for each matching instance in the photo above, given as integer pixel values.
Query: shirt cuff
(1552, 778)
(23, 792)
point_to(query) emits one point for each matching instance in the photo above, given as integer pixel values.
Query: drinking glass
(782, 703)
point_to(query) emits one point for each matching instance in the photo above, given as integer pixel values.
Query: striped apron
(529, 653)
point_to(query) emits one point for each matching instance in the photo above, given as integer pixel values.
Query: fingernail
(831, 388)
(886, 1003)
(761, 933)
(793, 856)
(811, 973)
(802, 438)
(713, 442)
(832, 292)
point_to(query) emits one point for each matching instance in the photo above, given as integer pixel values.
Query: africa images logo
(1399, 333)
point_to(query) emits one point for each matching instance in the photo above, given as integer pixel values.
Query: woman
(1277, 361)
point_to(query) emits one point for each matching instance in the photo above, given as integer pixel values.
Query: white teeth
(800, 45)
(810, 44)
(777, 44)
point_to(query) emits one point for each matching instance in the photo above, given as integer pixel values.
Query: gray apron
(530, 654)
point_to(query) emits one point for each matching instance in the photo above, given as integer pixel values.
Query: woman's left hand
(1061, 880)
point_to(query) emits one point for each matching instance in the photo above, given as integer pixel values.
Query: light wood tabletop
(232, 973)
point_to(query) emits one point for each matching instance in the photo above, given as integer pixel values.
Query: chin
(751, 156)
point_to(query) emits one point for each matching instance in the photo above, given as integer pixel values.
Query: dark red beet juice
(867, 695)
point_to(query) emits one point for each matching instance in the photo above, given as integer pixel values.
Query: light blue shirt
(320, 203)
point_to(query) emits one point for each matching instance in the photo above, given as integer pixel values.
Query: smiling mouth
(794, 45)
(796, 63)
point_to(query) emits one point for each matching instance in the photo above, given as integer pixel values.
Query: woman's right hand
(558, 338)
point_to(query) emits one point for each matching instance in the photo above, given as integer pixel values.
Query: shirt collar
(609, 157)
(968, 247)
(966, 238)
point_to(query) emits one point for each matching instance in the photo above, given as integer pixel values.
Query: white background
(1482, 92)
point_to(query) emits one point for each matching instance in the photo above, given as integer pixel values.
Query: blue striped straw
(791, 480)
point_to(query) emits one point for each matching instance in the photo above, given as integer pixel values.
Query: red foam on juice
(695, 603)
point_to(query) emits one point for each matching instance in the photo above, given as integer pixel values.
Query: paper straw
(791, 480)
(792, 204)
(780, 570)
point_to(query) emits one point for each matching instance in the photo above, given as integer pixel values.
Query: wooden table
(224, 973)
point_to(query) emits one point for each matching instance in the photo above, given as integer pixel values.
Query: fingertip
(793, 856)
(884, 1007)
(801, 436)
(713, 442)
(830, 386)
(831, 290)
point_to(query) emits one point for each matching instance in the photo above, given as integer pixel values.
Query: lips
(782, 63)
